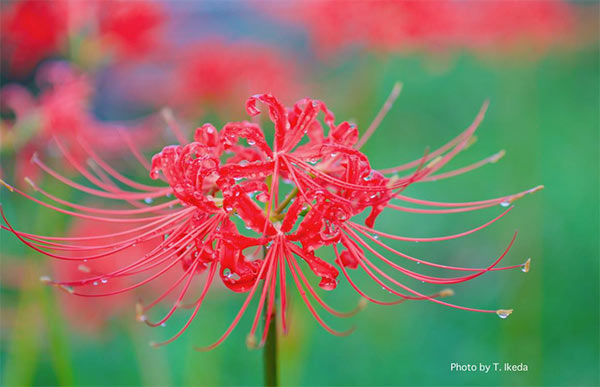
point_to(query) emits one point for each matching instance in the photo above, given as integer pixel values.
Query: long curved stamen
(504, 200)
(488, 160)
(461, 137)
(243, 308)
(302, 292)
(271, 271)
(190, 274)
(211, 274)
(167, 219)
(355, 287)
(433, 299)
(124, 195)
(165, 205)
(435, 239)
(328, 308)
(113, 173)
(427, 263)
(134, 149)
(429, 279)
(173, 125)
(380, 116)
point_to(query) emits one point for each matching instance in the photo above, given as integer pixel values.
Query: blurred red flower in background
(91, 315)
(34, 30)
(219, 74)
(398, 26)
(227, 181)
(62, 111)
(132, 29)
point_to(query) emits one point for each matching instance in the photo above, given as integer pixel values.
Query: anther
(434, 162)
(139, 312)
(31, 183)
(251, 341)
(66, 288)
(8, 186)
(494, 158)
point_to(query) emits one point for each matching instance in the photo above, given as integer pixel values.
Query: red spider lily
(33, 30)
(61, 111)
(228, 180)
(397, 26)
(215, 72)
(131, 29)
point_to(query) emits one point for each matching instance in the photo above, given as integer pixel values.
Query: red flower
(228, 180)
(398, 26)
(59, 114)
(216, 74)
(131, 29)
(32, 30)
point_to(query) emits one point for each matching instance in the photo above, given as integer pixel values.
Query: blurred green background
(544, 113)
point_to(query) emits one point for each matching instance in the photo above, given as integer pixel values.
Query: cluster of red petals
(32, 30)
(60, 111)
(220, 212)
(394, 26)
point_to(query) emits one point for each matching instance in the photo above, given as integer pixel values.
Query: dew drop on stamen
(505, 203)
(503, 313)
(251, 142)
(148, 200)
(375, 236)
